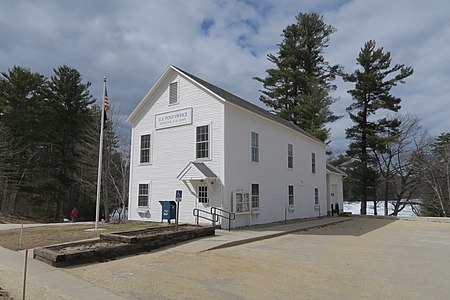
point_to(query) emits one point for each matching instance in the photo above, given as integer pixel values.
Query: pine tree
(373, 83)
(297, 89)
(69, 101)
(49, 139)
(21, 107)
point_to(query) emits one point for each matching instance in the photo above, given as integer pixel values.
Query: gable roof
(336, 170)
(227, 97)
(199, 172)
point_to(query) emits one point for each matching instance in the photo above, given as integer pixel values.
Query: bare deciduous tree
(8, 168)
(397, 162)
(435, 176)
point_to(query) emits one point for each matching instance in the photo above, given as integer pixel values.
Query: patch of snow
(118, 214)
(354, 208)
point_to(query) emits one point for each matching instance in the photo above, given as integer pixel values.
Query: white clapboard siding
(272, 172)
(173, 148)
(231, 122)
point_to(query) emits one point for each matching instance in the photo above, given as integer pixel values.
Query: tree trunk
(364, 161)
(47, 208)
(386, 195)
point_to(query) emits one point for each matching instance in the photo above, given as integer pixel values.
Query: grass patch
(55, 234)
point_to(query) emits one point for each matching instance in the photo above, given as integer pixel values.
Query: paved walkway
(50, 282)
(225, 238)
(55, 283)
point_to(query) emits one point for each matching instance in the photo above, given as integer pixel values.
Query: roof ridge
(246, 104)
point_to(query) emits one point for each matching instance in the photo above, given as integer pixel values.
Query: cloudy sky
(226, 42)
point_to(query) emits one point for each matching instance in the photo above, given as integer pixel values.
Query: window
(255, 147)
(313, 162)
(290, 195)
(316, 196)
(202, 194)
(202, 144)
(173, 93)
(242, 202)
(143, 195)
(290, 156)
(255, 196)
(145, 148)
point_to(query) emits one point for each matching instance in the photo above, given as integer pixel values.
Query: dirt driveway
(359, 259)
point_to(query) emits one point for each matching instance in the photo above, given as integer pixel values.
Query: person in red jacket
(74, 215)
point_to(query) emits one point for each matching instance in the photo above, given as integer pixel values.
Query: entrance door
(203, 197)
(203, 203)
(333, 194)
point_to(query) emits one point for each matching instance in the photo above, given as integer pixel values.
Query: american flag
(106, 101)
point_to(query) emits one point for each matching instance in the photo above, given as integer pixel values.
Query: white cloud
(132, 42)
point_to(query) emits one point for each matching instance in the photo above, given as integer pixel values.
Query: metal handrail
(224, 214)
(214, 217)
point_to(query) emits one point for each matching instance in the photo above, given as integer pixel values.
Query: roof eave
(144, 100)
(300, 131)
(311, 138)
(335, 170)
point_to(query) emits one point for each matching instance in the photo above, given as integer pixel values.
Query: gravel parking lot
(365, 258)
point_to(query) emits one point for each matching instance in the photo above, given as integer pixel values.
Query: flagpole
(100, 157)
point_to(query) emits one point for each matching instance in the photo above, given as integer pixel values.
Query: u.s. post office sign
(174, 118)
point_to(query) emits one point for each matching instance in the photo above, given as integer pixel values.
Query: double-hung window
(255, 196)
(316, 196)
(143, 195)
(255, 147)
(173, 93)
(203, 194)
(290, 156)
(145, 149)
(313, 162)
(202, 142)
(290, 195)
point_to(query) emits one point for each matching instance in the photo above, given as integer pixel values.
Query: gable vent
(173, 90)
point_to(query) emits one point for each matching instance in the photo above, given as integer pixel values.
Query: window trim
(149, 162)
(149, 185)
(255, 209)
(209, 157)
(290, 156)
(254, 147)
(291, 205)
(177, 91)
(313, 162)
(316, 196)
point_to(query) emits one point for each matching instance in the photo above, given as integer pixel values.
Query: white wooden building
(224, 152)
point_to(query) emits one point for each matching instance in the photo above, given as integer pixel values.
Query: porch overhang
(197, 172)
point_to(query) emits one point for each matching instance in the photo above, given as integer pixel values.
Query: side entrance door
(333, 194)
(203, 200)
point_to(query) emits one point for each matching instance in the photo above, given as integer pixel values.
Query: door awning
(197, 171)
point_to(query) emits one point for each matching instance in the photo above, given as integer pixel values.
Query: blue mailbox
(169, 210)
